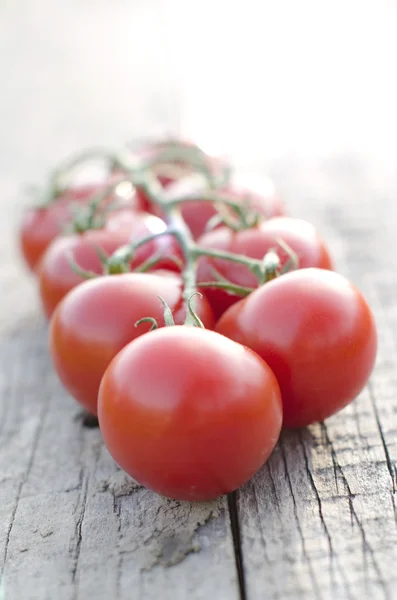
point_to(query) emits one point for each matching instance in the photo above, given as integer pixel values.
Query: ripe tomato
(171, 173)
(98, 318)
(56, 276)
(40, 226)
(138, 225)
(300, 235)
(316, 332)
(188, 413)
(258, 191)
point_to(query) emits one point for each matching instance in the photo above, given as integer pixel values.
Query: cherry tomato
(57, 277)
(316, 332)
(40, 226)
(138, 225)
(257, 191)
(300, 235)
(168, 173)
(188, 413)
(98, 318)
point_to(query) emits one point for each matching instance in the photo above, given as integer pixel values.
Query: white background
(257, 79)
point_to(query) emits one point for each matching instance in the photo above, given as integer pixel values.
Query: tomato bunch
(194, 317)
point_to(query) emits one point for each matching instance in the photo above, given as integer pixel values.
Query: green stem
(58, 179)
(154, 191)
(230, 256)
(120, 259)
(237, 290)
(182, 234)
(87, 216)
(191, 156)
(207, 196)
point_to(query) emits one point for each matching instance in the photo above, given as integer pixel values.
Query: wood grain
(319, 520)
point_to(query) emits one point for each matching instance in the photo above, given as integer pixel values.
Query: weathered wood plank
(319, 521)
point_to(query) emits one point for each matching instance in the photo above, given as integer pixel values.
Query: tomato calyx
(93, 214)
(192, 317)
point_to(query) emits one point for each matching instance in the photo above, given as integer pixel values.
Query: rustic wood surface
(319, 520)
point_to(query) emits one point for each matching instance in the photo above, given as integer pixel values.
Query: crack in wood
(390, 466)
(332, 554)
(84, 485)
(35, 442)
(236, 533)
(78, 531)
(316, 587)
(355, 517)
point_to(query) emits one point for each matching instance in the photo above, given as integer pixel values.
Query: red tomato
(300, 235)
(317, 334)
(258, 191)
(98, 318)
(188, 413)
(138, 225)
(148, 151)
(56, 276)
(40, 226)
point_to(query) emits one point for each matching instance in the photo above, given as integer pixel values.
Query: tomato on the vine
(165, 172)
(56, 274)
(41, 225)
(138, 225)
(318, 335)
(299, 235)
(188, 413)
(258, 192)
(97, 319)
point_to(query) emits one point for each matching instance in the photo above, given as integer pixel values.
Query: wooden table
(318, 521)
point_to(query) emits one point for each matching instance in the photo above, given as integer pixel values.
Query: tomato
(316, 332)
(57, 277)
(188, 413)
(300, 235)
(257, 191)
(41, 225)
(164, 171)
(97, 319)
(138, 225)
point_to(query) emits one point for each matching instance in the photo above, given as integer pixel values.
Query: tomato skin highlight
(56, 276)
(318, 335)
(189, 414)
(138, 225)
(97, 319)
(300, 235)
